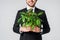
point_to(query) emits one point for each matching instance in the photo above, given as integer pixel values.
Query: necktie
(30, 10)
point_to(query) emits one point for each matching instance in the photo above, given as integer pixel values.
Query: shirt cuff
(41, 29)
(19, 28)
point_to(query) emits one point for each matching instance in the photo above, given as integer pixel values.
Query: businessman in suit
(36, 33)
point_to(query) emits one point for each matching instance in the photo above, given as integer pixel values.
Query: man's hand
(25, 29)
(36, 29)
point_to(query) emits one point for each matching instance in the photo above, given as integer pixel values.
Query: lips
(30, 2)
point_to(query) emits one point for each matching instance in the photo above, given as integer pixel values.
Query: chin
(31, 5)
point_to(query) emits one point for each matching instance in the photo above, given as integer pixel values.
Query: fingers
(29, 28)
(36, 29)
(25, 29)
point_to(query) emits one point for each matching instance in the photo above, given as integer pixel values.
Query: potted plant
(30, 19)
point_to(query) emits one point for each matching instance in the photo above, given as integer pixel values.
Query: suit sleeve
(16, 25)
(45, 24)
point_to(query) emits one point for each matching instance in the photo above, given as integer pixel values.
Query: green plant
(30, 18)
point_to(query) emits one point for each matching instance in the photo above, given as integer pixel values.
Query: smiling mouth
(31, 2)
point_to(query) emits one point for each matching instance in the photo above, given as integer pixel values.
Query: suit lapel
(24, 10)
(36, 10)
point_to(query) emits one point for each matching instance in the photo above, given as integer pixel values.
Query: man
(36, 33)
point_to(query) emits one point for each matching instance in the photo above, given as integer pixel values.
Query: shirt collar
(30, 8)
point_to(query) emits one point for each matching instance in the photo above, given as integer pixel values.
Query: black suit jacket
(32, 35)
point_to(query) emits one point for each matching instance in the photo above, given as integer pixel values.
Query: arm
(45, 24)
(17, 28)
(16, 25)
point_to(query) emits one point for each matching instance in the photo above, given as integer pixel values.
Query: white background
(8, 11)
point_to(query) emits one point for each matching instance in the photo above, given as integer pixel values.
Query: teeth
(30, 2)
